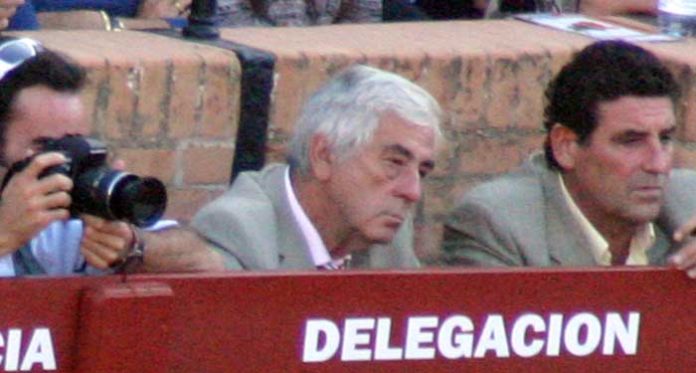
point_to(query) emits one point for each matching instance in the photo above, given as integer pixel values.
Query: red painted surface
(255, 322)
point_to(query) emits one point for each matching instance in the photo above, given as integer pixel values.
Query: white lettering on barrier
(525, 346)
(421, 332)
(593, 334)
(383, 351)
(314, 330)
(356, 335)
(39, 352)
(456, 337)
(626, 334)
(553, 347)
(493, 338)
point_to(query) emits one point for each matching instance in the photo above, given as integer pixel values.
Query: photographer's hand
(105, 242)
(30, 204)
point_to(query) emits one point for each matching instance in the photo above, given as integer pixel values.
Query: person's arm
(179, 250)
(678, 218)
(107, 243)
(685, 258)
(612, 7)
(29, 203)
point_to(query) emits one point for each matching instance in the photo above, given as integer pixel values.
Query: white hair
(347, 110)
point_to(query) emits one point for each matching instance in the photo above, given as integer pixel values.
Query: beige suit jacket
(521, 219)
(252, 225)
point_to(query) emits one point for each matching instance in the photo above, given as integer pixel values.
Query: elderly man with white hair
(361, 148)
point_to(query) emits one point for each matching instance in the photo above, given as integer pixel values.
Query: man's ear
(321, 158)
(564, 145)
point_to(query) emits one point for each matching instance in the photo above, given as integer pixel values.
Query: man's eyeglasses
(15, 51)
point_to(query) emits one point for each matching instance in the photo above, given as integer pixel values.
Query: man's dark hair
(47, 69)
(602, 72)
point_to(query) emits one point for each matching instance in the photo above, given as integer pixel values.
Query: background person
(26, 17)
(240, 13)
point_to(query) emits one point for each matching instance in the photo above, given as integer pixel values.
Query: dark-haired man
(39, 98)
(604, 192)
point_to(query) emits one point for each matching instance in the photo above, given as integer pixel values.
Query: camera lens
(118, 195)
(139, 200)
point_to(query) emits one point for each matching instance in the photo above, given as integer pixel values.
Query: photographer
(39, 100)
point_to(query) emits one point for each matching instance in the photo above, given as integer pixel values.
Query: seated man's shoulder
(253, 184)
(249, 198)
(244, 217)
(682, 175)
(680, 199)
(491, 224)
(680, 190)
(507, 191)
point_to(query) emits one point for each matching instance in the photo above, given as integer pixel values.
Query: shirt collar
(641, 241)
(317, 249)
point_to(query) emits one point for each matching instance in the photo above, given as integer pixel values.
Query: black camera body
(97, 189)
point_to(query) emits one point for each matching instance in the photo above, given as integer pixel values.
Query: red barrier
(618, 320)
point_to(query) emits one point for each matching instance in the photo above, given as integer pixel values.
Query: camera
(97, 189)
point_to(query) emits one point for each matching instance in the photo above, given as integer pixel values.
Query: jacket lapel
(660, 249)
(565, 246)
(293, 252)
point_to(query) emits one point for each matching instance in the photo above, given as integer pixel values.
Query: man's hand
(685, 259)
(105, 242)
(7, 10)
(30, 204)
